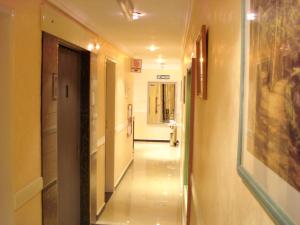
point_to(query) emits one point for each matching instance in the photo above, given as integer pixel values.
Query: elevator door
(69, 68)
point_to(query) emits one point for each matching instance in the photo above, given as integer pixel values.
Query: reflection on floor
(150, 192)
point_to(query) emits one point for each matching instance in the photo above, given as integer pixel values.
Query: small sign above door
(136, 65)
(163, 77)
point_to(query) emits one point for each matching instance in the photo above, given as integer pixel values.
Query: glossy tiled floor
(150, 192)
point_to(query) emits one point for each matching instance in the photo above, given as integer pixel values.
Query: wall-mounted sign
(136, 65)
(163, 77)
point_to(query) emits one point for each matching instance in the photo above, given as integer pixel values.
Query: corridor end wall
(143, 130)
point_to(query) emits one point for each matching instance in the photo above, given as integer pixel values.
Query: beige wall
(143, 130)
(219, 196)
(30, 18)
(123, 95)
(25, 104)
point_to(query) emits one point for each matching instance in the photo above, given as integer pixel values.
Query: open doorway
(6, 193)
(110, 128)
(65, 133)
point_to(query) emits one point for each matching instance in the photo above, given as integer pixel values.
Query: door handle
(156, 105)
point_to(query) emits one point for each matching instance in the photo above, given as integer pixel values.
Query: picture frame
(202, 62)
(267, 160)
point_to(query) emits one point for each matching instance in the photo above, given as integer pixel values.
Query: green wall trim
(187, 126)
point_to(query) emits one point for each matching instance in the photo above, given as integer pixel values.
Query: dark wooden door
(65, 133)
(69, 68)
(49, 130)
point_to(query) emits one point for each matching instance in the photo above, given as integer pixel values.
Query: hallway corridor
(94, 94)
(150, 192)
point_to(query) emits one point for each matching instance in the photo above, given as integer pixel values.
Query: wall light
(251, 16)
(90, 47)
(93, 46)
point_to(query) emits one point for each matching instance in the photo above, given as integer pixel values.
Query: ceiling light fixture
(152, 48)
(128, 10)
(137, 15)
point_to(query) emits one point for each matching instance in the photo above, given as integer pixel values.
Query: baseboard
(147, 140)
(123, 173)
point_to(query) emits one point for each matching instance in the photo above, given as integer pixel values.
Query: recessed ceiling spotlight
(152, 48)
(127, 8)
(137, 15)
(129, 11)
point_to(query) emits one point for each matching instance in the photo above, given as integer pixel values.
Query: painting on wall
(201, 53)
(269, 141)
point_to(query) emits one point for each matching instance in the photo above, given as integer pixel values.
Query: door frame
(109, 188)
(84, 129)
(6, 191)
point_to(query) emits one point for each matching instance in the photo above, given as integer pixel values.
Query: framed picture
(201, 53)
(269, 133)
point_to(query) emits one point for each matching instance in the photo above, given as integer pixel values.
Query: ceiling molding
(64, 8)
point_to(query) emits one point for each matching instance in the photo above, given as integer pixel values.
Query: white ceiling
(164, 25)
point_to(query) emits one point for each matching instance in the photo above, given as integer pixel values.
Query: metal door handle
(156, 105)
